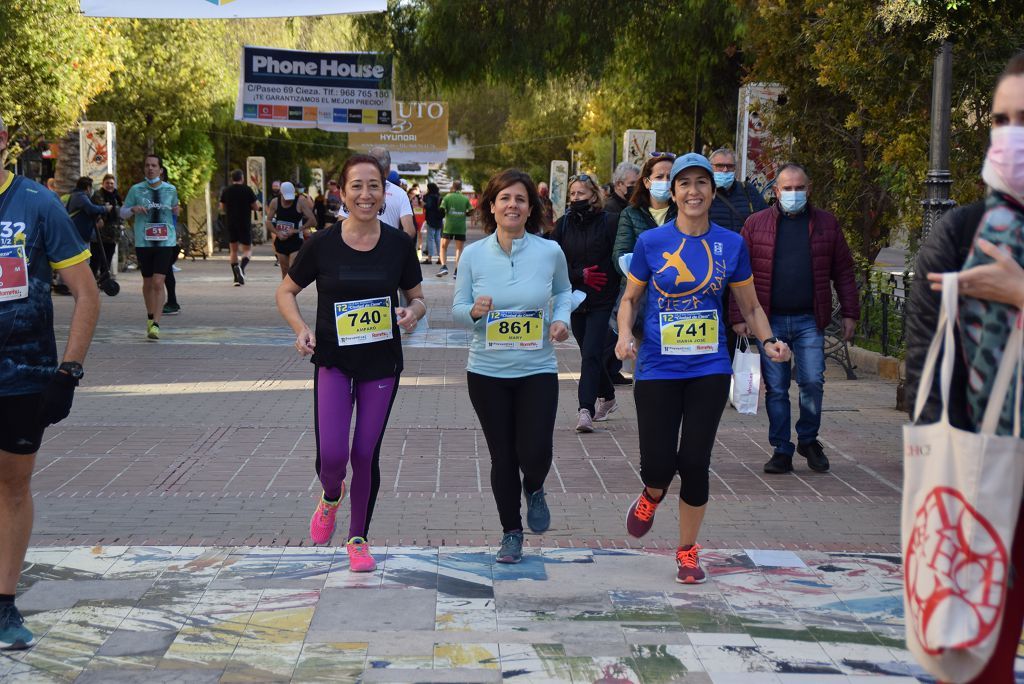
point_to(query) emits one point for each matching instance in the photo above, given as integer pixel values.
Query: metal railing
(883, 303)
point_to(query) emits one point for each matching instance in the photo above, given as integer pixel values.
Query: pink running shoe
(359, 558)
(321, 525)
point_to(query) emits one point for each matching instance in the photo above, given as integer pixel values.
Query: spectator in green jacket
(650, 206)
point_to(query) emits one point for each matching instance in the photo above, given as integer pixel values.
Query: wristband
(770, 340)
(421, 301)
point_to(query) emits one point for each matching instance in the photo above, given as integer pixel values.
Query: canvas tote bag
(746, 377)
(961, 497)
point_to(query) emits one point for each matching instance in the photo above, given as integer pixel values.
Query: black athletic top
(345, 276)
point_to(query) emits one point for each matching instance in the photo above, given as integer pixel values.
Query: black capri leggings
(518, 419)
(662, 407)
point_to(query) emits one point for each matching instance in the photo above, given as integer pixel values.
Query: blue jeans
(433, 241)
(802, 335)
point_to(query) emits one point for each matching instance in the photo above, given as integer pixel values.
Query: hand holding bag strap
(1009, 367)
(742, 344)
(944, 337)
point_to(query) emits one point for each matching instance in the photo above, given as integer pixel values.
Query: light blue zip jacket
(534, 276)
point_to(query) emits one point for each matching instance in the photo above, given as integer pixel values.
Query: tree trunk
(68, 167)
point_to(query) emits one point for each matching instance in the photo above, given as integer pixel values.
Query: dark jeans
(518, 419)
(590, 330)
(663, 407)
(802, 335)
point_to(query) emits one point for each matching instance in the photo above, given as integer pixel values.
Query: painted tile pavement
(246, 614)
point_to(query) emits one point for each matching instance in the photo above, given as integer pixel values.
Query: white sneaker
(584, 423)
(604, 408)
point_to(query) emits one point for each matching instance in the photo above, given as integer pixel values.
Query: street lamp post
(938, 181)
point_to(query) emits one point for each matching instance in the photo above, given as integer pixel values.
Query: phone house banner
(333, 91)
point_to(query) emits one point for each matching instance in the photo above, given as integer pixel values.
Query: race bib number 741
(687, 333)
(363, 320)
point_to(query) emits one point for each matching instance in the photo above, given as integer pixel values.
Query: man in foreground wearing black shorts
(36, 237)
(154, 205)
(238, 201)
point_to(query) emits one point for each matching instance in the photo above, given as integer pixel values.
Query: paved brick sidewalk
(206, 438)
(208, 614)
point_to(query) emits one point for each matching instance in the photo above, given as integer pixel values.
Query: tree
(55, 64)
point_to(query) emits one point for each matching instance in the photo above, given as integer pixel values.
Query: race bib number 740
(363, 320)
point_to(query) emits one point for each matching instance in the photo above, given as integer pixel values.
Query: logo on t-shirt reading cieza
(689, 273)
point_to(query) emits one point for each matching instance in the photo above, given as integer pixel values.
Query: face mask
(724, 179)
(579, 206)
(153, 181)
(629, 191)
(793, 201)
(1004, 163)
(661, 190)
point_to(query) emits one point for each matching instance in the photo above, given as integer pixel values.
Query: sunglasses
(582, 177)
(667, 155)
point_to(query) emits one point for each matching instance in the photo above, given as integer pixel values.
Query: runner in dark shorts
(238, 201)
(290, 219)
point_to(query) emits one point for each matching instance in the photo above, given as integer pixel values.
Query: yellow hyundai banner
(227, 9)
(418, 135)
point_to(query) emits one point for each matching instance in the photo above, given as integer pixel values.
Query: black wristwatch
(770, 340)
(72, 369)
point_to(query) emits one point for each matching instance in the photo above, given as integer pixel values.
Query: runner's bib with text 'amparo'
(522, 330)
(687, 333)
(363, 320)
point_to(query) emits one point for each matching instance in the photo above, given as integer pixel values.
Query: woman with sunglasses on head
(586, 234)
(358, 265)
(515, 295)
(681, 270)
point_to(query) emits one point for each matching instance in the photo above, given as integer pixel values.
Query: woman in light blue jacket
(514, 292)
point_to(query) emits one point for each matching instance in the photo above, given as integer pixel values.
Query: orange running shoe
(690, 569)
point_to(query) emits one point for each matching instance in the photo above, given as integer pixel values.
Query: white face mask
(1004, 162)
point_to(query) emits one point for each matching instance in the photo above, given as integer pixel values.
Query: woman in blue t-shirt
(680, 270)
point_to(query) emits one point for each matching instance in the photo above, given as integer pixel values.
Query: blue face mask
(661, 190)
(153, 181)
(724, 179)
(793, 201)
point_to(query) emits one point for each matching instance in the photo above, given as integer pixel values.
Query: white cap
(288, 191)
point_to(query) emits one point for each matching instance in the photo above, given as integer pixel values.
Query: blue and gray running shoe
(14, 636)
(538, 516)
(511, 550)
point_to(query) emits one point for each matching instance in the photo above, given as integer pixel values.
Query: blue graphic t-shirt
(158, 221)
(686, 278)
(36, 235)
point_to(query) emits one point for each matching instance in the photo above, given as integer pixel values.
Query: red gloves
(594, 278)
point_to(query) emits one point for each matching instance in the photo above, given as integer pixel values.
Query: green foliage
(190, 164)
(55, 63)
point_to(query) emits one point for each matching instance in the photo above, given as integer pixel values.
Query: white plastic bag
(961, 497)
(746, 377)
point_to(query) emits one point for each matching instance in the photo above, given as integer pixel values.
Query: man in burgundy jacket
(797, 253)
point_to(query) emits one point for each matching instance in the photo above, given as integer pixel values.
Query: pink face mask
(1004, 163)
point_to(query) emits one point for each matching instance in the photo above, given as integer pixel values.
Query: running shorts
(460, 237)
(20, 430)
(155, 260)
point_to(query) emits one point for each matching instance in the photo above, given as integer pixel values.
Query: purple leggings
(335, 394)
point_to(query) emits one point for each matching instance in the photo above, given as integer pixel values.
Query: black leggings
(590, 330)
(662, 407)
(518, 419)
